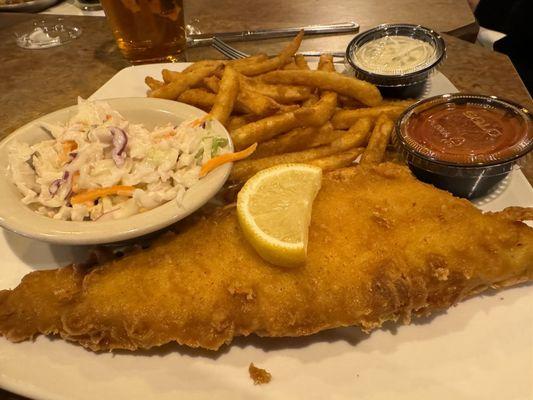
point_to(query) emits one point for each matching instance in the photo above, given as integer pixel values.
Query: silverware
(230, 52)
(233, 54)
(335, 54)
(206, 39)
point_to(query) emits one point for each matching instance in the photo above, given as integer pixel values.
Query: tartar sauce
(391, 55)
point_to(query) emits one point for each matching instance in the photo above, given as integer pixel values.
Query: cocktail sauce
(464, 143)
(467, 133)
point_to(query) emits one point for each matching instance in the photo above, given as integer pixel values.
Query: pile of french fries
(293, 113)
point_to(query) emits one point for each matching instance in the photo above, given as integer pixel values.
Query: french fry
(378, 141)
(356, 136)
(345, 118)
(203, 64)
(233, 63)
(311, 101)
(288, 108)
(325, 107)
(170, 91)
(294, 140)
(247, 101)
(257, 68)
(212, 83)
(199, 98)
(294, 114)
(325, 63)
(258, 104)
(245, 169)
(153, 83)
(226, 96)
(337, 161)
(392, 155)
(314, 96)
(347, 102)
(325, 135)
(244, 61)
(173, 89)
(169, 76)
(237, 121)
(298, 139)
(319, 113)
(284, 94)
(292, 65)
(203, 99)
(301, 62)
(263, 129)
(360, 90)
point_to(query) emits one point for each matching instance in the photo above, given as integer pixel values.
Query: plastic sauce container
(397, 58)
(463, 143)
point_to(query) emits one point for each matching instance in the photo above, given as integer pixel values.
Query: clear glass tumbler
(147, 31)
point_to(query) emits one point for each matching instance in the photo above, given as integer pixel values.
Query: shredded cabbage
(98, 148)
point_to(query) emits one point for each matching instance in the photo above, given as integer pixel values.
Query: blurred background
(503, 25)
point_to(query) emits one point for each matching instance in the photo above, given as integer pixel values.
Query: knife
(205, 39)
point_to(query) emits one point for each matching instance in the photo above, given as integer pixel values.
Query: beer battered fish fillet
(382, 246)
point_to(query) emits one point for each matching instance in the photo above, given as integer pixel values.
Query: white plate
(481, 349)
(17, 217)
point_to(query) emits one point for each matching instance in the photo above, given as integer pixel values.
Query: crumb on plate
(259, 375)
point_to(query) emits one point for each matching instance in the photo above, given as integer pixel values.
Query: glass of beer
(147, 30)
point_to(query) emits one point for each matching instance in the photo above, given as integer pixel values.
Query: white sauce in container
(394, 55)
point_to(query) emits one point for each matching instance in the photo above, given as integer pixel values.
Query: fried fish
(382, 246)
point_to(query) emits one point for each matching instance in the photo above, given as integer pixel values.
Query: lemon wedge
(274, 211)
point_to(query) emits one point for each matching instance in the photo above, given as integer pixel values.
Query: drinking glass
(147, 30)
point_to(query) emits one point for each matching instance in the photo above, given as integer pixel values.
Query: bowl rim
(447, 97)
(46, 229)
(376, 77)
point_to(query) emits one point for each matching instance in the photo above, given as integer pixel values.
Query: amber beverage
(147, 30)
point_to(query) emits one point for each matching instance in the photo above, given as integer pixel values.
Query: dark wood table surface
(36, 82)
(449, 16)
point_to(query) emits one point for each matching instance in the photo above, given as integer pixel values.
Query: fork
(233, 54)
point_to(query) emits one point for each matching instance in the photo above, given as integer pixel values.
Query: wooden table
(35, 82)
(449, 16)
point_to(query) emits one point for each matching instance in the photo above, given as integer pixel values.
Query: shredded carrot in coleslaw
(91, 195)
(226, 158)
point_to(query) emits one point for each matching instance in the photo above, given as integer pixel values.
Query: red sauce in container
(468, 133)
(464, 143)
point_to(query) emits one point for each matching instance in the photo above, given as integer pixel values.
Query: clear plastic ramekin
(403, 84)
(464, 143)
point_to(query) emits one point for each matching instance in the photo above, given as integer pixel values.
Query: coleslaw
(99, 166)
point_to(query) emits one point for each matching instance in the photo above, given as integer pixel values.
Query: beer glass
(147, 30)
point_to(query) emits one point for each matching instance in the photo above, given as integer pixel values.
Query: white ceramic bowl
(19, 218)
